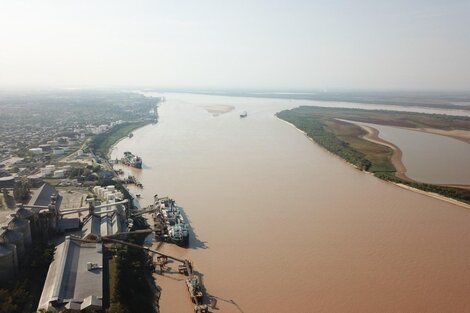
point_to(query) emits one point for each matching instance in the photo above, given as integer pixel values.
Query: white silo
(109, 196)
(15, 238)
(21, 225)
(8, 261)
(49, 170)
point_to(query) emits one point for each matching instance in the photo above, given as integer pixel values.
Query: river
(281, 225)
(429, 158)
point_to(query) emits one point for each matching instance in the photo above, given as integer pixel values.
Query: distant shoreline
(398, 151)
(357, 144)
(373, 136)
(373, 99)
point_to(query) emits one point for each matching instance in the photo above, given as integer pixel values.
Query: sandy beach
(218, 109)
(462, 135)
(373, 136)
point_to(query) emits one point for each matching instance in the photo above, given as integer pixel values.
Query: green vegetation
(101, 143)
(317, 128)
(23, 294)
(21, 190)
(130, 277)
(450, 192)
(345, 139)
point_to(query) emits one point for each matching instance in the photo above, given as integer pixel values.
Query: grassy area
(113, 283)
(344, 139)
(379, 156)
(102, 143)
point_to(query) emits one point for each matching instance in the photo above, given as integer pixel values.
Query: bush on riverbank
(131, 284)
(450, 192)
(101, 143)
(316, 129)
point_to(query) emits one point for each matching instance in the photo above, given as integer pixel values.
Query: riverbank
(102, 143)
(462, 135)
(361, 146)
(227, 169)
(396, 159)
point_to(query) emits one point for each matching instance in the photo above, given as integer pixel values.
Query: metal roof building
(43, 195)
(75, 278)
(105, 222)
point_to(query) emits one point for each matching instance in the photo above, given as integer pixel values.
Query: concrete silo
(22, 226)
(23, 213)
(9, 236)
(8, 261)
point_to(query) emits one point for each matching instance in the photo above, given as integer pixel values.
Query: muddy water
(430, 158)
(283, 226)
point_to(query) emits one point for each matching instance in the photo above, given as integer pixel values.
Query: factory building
(75, 278)
(105, 221)
(7, 182)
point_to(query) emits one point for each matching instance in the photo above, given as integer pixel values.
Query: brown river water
(281, 225)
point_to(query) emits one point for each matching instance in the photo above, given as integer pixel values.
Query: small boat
(243, 114)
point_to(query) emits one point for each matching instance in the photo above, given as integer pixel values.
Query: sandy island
(459, 134)
(373, 136)
(218, 109)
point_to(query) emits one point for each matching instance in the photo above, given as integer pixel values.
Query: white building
(59, 174)
(35, 150)
(58, 151)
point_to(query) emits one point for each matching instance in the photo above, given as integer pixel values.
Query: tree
(21, 190)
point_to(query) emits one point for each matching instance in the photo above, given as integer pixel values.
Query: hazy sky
(253, 44)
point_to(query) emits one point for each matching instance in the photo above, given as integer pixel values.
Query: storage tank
(118, 195)
(101, 192)
(8, 261)
(59, 174)
(49, 169)
(23, 213)
(106, 195)
(21, 225)
(15, 238)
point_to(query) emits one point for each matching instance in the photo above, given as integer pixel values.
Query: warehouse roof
(42, 196)
(75, 277)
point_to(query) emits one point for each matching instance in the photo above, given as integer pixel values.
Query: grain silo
(23, 213)
(8, 261)
(21, 225)
(15, 238)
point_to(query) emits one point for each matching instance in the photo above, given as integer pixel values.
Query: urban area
(71, 238)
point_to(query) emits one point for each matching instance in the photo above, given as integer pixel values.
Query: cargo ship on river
(169, 221)
(131, 160)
